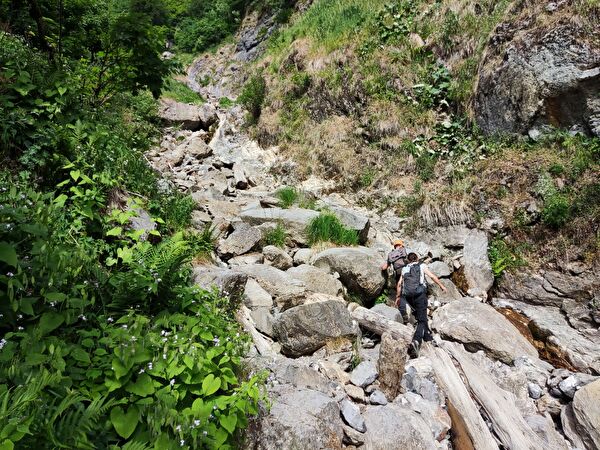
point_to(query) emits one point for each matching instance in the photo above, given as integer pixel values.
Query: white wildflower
(172, 382)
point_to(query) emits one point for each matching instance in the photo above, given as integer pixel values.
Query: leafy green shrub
(556, 169)
(502, 257)
(395, 20)
(287, 196)
(276, 236)
(253, 96)
(435, 91)
(326, 227)
(226, 102)
(557, 210)
(180, 92)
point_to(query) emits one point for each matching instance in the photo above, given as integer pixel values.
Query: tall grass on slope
(326, 227)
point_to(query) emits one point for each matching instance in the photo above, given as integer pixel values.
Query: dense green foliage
(326, 227)
(106, 344)
(276, 236)
(253, 96)
(287, 196)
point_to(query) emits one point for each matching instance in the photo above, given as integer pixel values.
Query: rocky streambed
(340, 376)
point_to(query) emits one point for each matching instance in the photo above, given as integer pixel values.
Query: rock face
(351, 414)
(229, 282)
(479, 326)
(285, 289)
(276, 257)
(241, 241)
(477, 268)
(317, 280)
(364, 374)
(586, 409)
(354, 221)
(299, 418)
(358, 267)
(304, 329)
(535, 77)
(189, 117)
(396, 427)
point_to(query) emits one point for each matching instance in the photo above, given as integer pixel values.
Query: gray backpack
(398, 258)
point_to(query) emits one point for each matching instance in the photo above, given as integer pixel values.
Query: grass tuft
(180, 92)
(328, 228)
(287, 196)
(276, 236)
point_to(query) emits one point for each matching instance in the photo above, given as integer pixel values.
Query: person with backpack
(397, 259)
(413, 287)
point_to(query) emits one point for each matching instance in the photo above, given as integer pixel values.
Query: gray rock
(571, 384)
(354, 221)
(189, 117)
(388, 312)
(351, 415)
(276, 257)
(298, 418)
(142, 221)
(537, 75)
(569, 426)
(230, 283)
(303, 256)
(377, 398)
(247, 259)
(444, 297)
(392, 358)
(359, 269)
(317, 280)
(440, 269)
(543, 426)
(263, 320)
(241, 241)
(395, 427)
(477, 267)
(586, 409)
(298, 374)
(304, 329)
(438, 419)
(353, 437)
(294, 220)
(355, 393)
(534, 390)
(364, 374)
(286, 291)
(414, 380)
(255, 296)
(479, 326)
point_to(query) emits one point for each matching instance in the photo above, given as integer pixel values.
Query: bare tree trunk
(36, 14)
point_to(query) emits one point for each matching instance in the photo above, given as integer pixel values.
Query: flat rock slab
(317, 280)
(303, 329)
(351, 415)
(396, 427)
(284, 288)
(388, 312)
(364, 374)
(586, 409)
(230, 283)
(479, 326)
(359, 269)
(477, 267)
(241, 241)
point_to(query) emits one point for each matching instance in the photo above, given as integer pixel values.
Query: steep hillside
(446, 113)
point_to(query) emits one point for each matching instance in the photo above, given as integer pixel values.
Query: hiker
(397, 258)
(413, 287)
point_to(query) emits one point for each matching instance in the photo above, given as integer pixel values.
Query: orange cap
(399, 242)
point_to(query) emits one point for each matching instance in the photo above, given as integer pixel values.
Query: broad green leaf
(221, 436)
(211, 384)
(80, 355)
(119, 369)
(55, 296)
(8, 254)
(7, 445)
(61, 90)
(142, 387)
(125, 422)
(75, 174)
(60, 200)
(50, 321)
(116, 231)
(228, 422)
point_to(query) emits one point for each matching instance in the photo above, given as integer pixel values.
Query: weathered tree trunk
(378, 324)
(35, 13)
(499, 405)
(467, 423)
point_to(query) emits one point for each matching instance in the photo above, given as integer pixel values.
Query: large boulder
(299, 418)
(353, 221)
(286, 290)
(230, 283)
(392, 358)
(394, 426)
(276, 257)
(241, 241)
(481, 327)
(189, 117)
(586, 409)
(317, 280)
(293, 220)
(359, 269)
(304, 329)
(538, 72)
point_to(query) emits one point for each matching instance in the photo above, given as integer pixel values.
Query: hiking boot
(415, 346)
(405, 319)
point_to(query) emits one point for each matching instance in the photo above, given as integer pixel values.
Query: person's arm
(385, 266)
(435, 279)
(399, 290)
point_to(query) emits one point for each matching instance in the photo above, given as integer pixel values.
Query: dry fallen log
(463, 410)
(499, 405)
(262, 343)
(378, 324)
